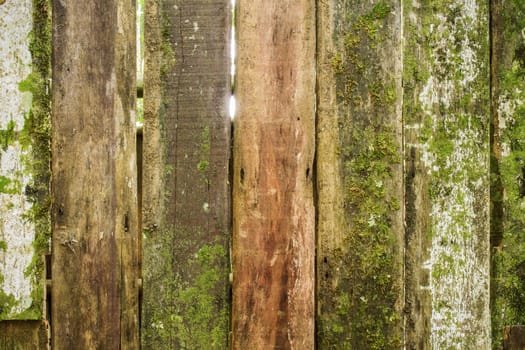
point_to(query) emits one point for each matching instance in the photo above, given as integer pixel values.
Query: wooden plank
(507, 166)
(273, 211)
(514, 338)
(24, 158)
(359, 175)
(446, 110)
(24, 335)
(186, 191)
(94, 214)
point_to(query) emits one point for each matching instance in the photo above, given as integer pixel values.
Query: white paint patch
(17, 233)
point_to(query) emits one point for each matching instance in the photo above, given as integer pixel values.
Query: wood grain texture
(514, 338)
(273, 209)
(446, 112)
(360, 234)
(186, 189)
(94, 214)
(24, 335)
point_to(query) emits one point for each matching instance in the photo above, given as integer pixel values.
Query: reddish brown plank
(273, 212)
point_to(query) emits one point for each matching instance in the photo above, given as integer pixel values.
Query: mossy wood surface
(94, 213)
(24, 335)
(446, 109)
(186, 190)
(508, 169)
(359, 176)
(273, 208)
(24, 158)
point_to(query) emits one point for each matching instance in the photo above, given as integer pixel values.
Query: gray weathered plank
(186, 191)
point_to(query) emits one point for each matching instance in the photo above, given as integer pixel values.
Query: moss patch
(190, 280)
(360, 312)
(508, 176)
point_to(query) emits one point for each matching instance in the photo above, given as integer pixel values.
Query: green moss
(192, 312)
(168, 54)
(204, 164)
(508, 174)
(9, 186)
(360, 313)
(446, 108)
(9, 135)
(35, 137)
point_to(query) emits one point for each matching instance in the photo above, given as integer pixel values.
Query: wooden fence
(369, 193)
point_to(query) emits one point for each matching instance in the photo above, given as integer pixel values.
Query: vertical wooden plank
(24, 158)
(446, 115)
(359, 175)
(273, 212)
(94, 214)
(186, 192)
(508, 165)
(514, 338)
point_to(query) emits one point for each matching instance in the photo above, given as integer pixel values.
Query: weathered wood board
(94, 213)
(507, 166)
(514, 338)
(359, 175)
(24, 158)
(446, 114)
(273, 208)
(24, 335)
(186, 190)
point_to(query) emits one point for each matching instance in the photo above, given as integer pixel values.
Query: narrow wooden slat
(507, 166)
(446, 111)
(186, 191)
(94, 214)
(359, 175)
(273, 212)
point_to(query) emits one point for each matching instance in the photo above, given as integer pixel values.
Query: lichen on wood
(360, 229)
(24, 157)
(446, 109)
